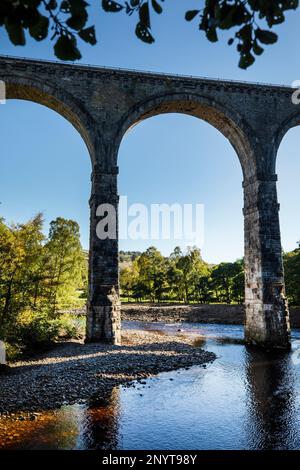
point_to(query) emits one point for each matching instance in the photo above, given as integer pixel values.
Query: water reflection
(271, 400)
(99, 427)
(245, 399)
(71, 427)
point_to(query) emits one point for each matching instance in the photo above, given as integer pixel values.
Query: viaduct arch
(102, 104)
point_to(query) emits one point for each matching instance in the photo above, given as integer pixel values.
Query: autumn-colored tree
(21, 268)
(37, 276)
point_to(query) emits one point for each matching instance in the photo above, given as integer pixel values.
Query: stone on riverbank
(74, 371)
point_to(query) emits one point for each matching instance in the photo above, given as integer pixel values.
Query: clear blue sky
(172, 158)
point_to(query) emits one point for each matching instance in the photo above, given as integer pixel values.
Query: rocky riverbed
(194, 313)
(73, 372)
(223, 314)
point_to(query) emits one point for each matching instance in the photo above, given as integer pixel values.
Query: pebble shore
(73, 372)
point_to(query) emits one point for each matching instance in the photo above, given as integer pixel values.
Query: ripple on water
(245, 399)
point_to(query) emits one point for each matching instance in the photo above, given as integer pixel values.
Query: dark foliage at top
(66, 22)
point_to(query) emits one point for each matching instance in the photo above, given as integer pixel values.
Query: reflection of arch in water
(271, 409)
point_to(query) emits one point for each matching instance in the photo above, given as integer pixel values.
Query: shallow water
(245, 399)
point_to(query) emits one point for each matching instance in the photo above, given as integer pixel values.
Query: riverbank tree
(38, 277)
(186, 277)
(183, 277)
(292, 276)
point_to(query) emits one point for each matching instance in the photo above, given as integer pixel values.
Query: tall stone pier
(267, 316)
(102, 104)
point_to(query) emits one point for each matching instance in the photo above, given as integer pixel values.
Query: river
(245, 399)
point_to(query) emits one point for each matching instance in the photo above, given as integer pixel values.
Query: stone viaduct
(102, 104)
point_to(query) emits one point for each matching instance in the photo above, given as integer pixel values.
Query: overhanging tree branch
(251, 22)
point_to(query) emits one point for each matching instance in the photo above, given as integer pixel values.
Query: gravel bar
(74, 372)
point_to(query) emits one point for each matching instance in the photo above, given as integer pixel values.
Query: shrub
(36, 331)
(13, 351)
(71, 326)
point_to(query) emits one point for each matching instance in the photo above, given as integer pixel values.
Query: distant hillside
(128, 256)
(124, 256)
